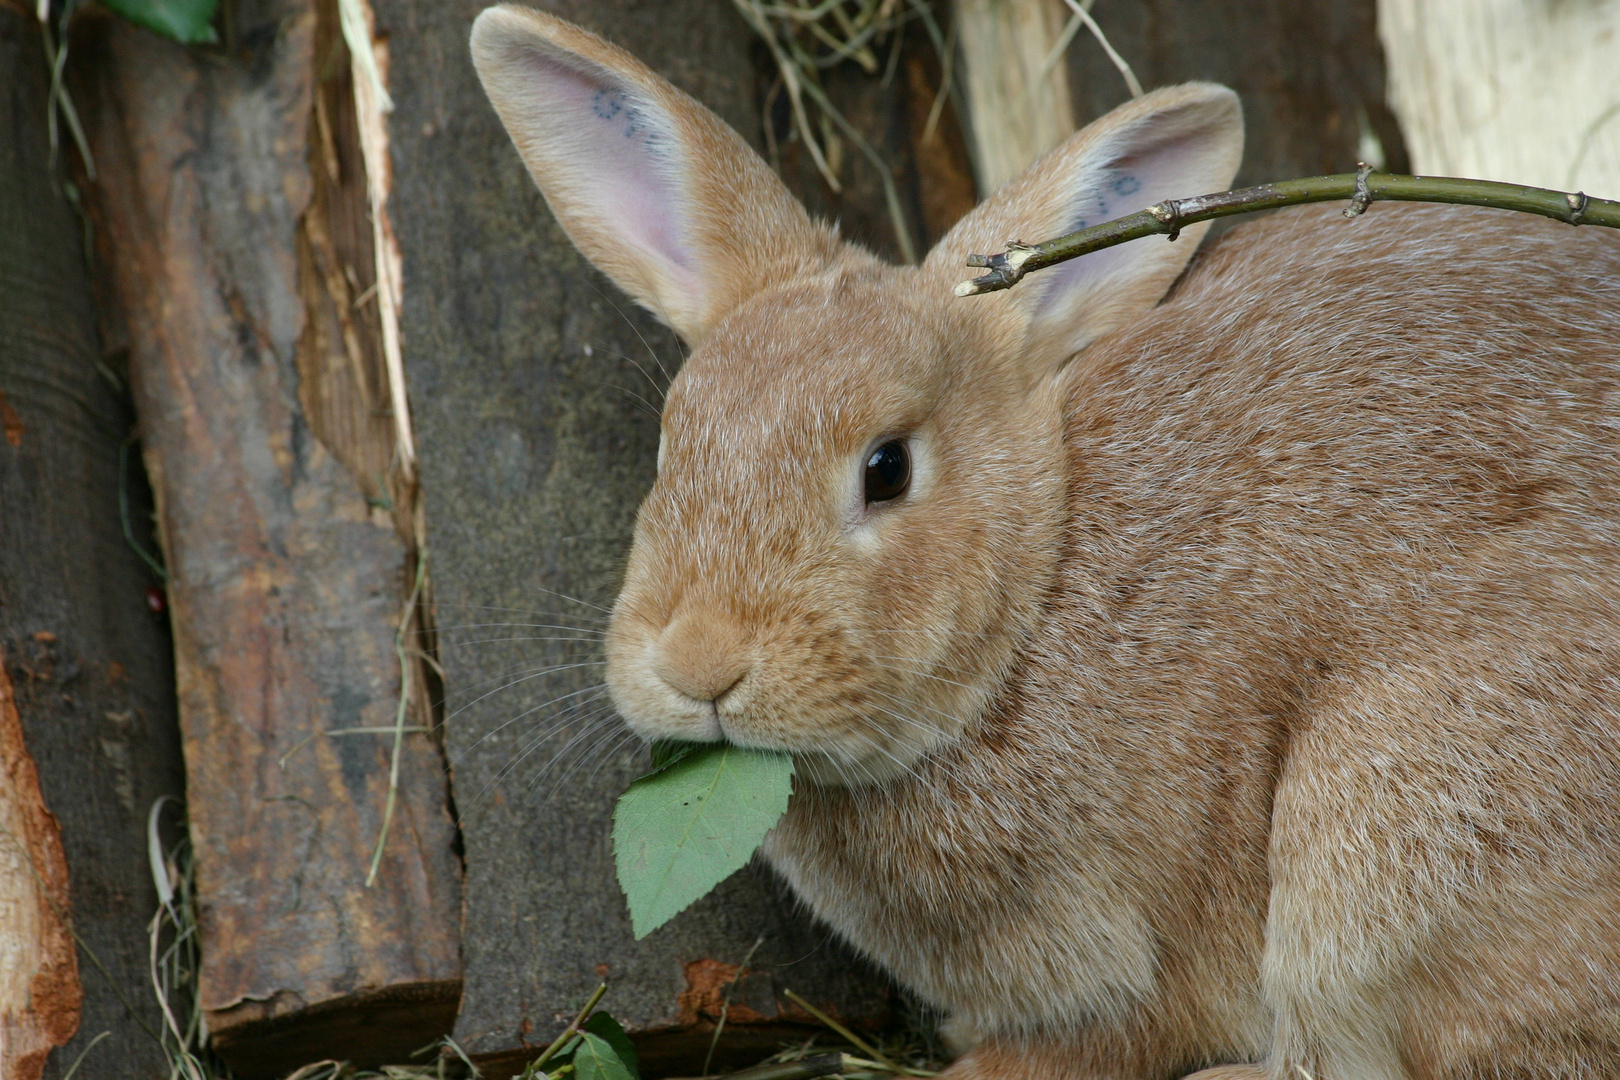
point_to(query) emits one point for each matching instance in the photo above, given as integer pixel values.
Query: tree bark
(234, 224)
(40, 993)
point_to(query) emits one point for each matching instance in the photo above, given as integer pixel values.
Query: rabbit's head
(861, 484)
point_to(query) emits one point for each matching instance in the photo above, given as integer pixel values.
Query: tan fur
(1243, 689)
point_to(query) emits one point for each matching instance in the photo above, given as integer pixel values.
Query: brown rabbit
(1230, 681)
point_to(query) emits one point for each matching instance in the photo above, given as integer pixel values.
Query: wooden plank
(1017, 108)
(236, 273)
(527, 372)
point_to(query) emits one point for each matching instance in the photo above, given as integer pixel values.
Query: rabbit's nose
(702, 657)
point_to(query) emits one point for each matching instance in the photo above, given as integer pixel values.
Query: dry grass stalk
(805, 39)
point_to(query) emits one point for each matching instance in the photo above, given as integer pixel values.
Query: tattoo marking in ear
(633, 126)
(610, 105)
(1126, 185)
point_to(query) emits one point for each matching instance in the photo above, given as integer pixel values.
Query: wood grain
(533, 387)
(87, 661)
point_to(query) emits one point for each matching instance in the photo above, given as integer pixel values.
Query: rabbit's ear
(652, 187)
(1173, 143)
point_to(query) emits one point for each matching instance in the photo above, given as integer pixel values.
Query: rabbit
(1188, 667)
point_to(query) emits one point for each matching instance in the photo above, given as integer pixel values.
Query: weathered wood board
(1502, 90)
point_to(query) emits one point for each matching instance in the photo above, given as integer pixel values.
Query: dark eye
(888, 472)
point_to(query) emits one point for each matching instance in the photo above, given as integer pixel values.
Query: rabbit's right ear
(652, 187)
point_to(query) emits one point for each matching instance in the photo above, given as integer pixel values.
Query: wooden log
(1524, 93)
(40, 993)
(235, 222)
(534, 386)
(85, 662)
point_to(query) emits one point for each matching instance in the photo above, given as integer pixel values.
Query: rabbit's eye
(888, 472)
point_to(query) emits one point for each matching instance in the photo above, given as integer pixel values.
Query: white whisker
(459, 758)
(924, 674)
(589, 723)
(521, 626)
(532, 675)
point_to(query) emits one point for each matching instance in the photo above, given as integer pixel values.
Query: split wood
(1362, 188)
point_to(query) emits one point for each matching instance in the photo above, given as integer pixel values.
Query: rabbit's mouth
(848, 718)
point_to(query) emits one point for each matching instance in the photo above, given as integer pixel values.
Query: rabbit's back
(1339, 437)
(1359, 485)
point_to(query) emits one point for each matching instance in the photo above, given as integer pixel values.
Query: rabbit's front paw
(1230, 1072)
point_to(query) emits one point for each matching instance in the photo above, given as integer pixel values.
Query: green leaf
(597, 1060)
(189, 22)
(607, 1028)
(680, 831)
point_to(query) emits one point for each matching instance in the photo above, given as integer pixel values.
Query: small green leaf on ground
(596, 1059)
(680, 831)
(189, 22)
(605, 1027)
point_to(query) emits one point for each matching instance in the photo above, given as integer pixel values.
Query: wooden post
(236, 222)
(1524, 93)
(1016, 111)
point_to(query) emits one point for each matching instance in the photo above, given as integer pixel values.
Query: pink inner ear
(614, 151)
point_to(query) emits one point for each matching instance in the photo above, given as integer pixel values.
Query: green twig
(575, 1026)
(1361, 188)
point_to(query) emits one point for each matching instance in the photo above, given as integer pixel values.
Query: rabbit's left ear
(1172, 143)
(652, 187)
